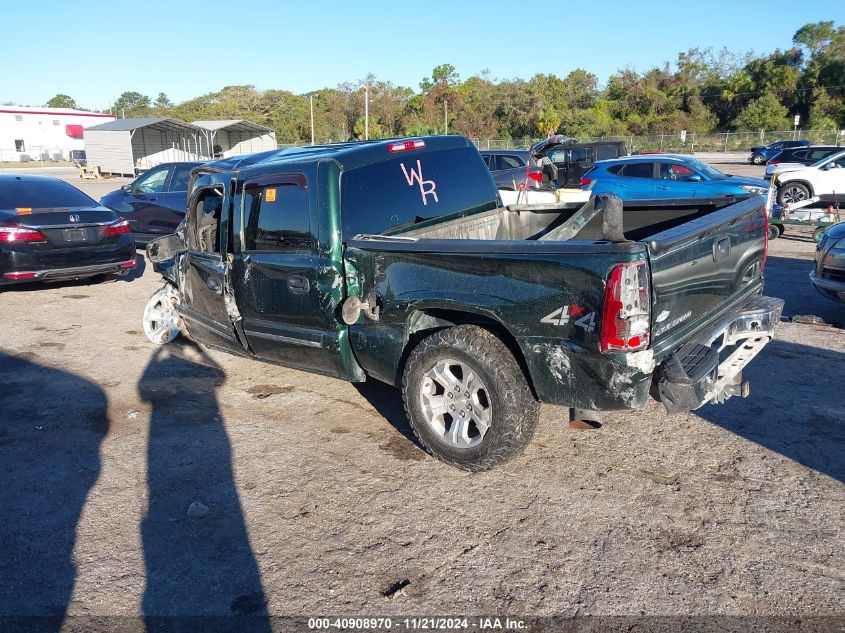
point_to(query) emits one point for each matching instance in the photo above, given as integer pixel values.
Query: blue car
(666, 176)
(154, 203)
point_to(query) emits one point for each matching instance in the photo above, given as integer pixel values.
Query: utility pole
(311, 99)
(367, 111)
(446, 117)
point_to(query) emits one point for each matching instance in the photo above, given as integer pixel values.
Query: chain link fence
(691, 142)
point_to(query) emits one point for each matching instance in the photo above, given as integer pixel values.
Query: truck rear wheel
(467, 399)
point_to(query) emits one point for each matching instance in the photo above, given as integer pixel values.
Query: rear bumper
(63, 274)
(709, 368)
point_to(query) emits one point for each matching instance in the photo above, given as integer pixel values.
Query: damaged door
(207, 304)
(283, 299)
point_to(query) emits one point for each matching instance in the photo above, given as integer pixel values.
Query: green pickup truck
(396, 260)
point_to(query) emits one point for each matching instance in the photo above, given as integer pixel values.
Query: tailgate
(702, 267)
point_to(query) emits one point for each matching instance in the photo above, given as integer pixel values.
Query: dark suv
(556, 162)
(762, 153)
(804, 155)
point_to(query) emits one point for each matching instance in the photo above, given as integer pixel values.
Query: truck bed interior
(554, 222)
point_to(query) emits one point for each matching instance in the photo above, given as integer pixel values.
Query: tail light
(774, 162)
(15, 233)
(626, 316)
(117, 228)
(585, 182)
(19, 275)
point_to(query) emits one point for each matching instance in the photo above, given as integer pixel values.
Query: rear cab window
(414, 187)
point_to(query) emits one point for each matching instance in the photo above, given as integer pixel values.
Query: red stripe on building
(95, 114)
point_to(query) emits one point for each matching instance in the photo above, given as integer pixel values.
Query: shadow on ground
(788, 278)
(809, 427)
(197, 553)
(51, 426)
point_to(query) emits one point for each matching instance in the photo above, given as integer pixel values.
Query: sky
(95, 51)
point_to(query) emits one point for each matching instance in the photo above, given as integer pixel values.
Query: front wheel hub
(161, 320)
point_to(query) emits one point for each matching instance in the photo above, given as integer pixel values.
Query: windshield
(42, 194)
(707, 170)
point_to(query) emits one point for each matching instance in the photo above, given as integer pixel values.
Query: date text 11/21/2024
(417, 624)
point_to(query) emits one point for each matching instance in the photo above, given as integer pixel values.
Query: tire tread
(519, 418)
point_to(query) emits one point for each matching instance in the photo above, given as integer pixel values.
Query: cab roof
(349, 155)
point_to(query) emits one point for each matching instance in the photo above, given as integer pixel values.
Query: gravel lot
(312, 499)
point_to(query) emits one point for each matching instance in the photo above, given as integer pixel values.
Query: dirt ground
(180, 481)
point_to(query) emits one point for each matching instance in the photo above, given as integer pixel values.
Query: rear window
(638, 170)
(509, 162)
(414, 187)
(42, 194)
(581, 155)
(180, 177)
(605, 152)
(817, 154)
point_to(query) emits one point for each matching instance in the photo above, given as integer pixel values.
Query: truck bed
(641, 220)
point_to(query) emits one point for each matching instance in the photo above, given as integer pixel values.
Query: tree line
(702, 91)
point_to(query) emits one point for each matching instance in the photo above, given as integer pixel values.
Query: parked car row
(665, 176)
(797, 182)
(762, 153)
(556, 162)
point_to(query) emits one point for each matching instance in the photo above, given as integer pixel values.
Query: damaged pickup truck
(396, 260)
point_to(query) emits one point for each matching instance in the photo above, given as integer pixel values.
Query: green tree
(815, 37)
(132, 104)
(764, 113)
(162, 102)
(62, 101)
(548, 122)
(824, 113)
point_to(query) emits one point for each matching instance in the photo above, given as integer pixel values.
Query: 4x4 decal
(561, 316)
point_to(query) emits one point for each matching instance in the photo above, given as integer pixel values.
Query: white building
(43, 133)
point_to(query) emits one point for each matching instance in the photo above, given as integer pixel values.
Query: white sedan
(824, 179)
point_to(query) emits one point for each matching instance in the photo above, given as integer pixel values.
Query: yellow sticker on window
(270, 195)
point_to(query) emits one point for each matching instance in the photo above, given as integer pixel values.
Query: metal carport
(235, 137)
(125, 146)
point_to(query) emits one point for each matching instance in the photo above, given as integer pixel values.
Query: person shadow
(201, 573)
(52, 425)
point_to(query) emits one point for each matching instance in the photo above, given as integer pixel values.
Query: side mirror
(126, 188)
(693, 178)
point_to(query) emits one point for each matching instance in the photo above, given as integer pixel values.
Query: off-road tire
(515, 410)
